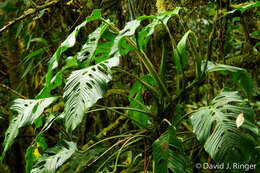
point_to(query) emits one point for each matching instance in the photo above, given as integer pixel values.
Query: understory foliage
(162, 133)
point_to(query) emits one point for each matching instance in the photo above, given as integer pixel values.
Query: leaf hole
(93, 39)
(86, 53)
(173, 148)
(25, 105)
(90, 75)
(102, 70)
(93, 69)
(113, 54)
(124, 32)
(89, 85)
(75, 87)
(104, 66)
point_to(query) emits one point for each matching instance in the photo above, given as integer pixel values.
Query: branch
(29, 12)
(12, 91)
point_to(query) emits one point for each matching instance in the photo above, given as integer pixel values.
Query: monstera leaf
(28, 111)
(55, 157)
(65, 45)
(239, 75)
(216, 126)
(83, 89)
(168, 153)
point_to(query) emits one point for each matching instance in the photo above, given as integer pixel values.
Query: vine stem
(125, 115)
(142, 55)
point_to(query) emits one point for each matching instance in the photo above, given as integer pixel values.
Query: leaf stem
(142, 55)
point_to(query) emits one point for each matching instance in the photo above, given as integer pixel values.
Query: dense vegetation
(129, 86)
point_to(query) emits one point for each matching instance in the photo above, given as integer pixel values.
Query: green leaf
(163, 65)
(83, 88)
(30, 158)
(103, 48)
(54, 157)
(239, 75)
(145, 34)
(138, 116)
(215, 126)
(168, 153)
(79, 160)
(182, 51)
(68, 43)
(57, 79)
(246, 7)
(30, 152)
(128, 30)
(147, 31)
(28, 61)
(28, 111)
(19, 29)
(136, 95)
(88, 49)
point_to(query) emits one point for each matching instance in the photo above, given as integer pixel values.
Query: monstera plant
(225, 127)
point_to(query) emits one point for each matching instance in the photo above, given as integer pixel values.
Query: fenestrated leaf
(239, 75)
(104, 47)
(28, 111)
(215, 126)
(55, 157)
(128, 30)
(68, 43)
(168, 153)
(88, 49)
(83, 89)
(79, 160)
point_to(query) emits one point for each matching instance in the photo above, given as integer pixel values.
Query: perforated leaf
(28, 111)
(68, 43)
(128, 30)
(88, 49)
(168, 153)
(83, 89)
(55, 157)
(215, 126)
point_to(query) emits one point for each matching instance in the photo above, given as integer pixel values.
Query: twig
(12, 91)
(29, 13)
